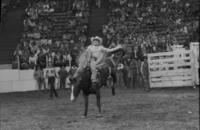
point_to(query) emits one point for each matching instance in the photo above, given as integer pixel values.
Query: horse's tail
(114, 77)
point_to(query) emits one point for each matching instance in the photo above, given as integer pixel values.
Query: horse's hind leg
(113, 89)
(86, 105)
(98, 97)
(114, 80)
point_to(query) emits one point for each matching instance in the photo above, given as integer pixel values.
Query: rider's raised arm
(108, 50)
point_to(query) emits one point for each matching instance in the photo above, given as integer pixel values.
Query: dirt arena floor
(159, 109)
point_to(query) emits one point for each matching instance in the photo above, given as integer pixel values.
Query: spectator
(32, 60)
(38, 75)
(125, 72)
(145, 74)
(69, 58)
(120, 81)
(133, 72)
(51, 74)
(63, 75)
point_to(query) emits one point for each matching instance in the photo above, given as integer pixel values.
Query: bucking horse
(106, 77)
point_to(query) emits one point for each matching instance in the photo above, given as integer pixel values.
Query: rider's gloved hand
(119, 46)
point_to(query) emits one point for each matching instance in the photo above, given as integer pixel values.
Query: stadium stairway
(10, 36)
(98, 18)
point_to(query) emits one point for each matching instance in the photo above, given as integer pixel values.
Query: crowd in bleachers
(80, 8)
(55, 31)
(149, 26)
(52, 37)
(152, 25)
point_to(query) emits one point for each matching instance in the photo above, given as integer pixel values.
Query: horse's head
(81, 81)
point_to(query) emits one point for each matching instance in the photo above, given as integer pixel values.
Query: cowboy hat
(96, 38)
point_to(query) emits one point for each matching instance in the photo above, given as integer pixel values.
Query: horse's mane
(82, 59)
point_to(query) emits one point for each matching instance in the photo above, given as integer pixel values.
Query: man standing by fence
(133, 72)
(63, 75)
(145, 74)
(51, 74)
(38, 75)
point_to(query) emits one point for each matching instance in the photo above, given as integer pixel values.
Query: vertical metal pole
(18, 62)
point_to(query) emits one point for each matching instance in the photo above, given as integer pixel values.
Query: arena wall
(23, 80)
(17, 81)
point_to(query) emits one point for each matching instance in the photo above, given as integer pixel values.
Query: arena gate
(171, 69)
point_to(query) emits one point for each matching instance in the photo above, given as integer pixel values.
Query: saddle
(103, 74)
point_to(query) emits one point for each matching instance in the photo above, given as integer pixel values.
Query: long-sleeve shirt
(97, 54)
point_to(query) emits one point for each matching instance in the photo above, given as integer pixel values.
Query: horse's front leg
(114, 80)
(98, 97)
(113, 89)
(86, 97)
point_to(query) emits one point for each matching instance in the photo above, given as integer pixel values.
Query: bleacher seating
(51, 32)
(152, 25)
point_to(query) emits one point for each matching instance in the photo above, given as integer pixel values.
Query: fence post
(148, 61)
(194, 47)
(18, 62)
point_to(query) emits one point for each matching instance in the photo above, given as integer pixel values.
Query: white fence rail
(170, 69)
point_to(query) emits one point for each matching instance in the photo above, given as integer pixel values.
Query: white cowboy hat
(96, 38)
